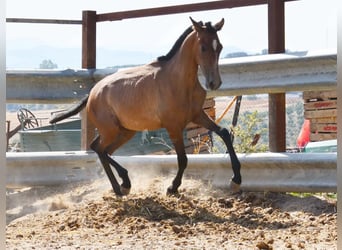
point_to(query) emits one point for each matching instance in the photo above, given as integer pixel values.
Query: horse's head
(208, 49)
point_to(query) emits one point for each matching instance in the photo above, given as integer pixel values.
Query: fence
(276, 42)
(285, 172)
(241, 76)
(272, 74)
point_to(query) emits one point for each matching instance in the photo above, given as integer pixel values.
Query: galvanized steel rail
(275, 73)
(285, 172)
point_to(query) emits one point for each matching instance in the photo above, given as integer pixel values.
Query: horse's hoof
(124, 191)
(233, 187)
(171, 192)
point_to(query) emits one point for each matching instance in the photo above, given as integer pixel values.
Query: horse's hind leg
(103, 156)
(104, 148)
(122, 138)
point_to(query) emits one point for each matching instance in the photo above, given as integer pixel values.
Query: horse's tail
(72, 111)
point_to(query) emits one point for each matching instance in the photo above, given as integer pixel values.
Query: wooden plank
(277, 102)
(43, 21)
(324, 120)
(331, 104)
(210, 112)
(319, 95)
(88, 62)
(89, 39)
(326, 128)
(320, 113)
(175, 9)
(277, 115)
(322, 136)
(209, 103)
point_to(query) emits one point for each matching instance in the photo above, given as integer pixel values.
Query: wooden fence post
(88, 62)
(276, 44)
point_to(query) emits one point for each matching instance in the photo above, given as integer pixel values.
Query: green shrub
(248, 132)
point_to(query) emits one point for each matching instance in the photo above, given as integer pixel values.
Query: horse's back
(130, 95)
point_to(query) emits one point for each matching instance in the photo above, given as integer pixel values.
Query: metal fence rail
(248, 75)
(277, 73)
(285, 172)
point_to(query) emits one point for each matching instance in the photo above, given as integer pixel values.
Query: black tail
(73, 111)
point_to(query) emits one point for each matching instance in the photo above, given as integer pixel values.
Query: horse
(165, 93)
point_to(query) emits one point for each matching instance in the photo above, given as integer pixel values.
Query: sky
(310, 25)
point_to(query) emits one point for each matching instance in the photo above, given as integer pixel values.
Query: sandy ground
(90, 216)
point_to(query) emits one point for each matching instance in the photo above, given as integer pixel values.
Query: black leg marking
(104, 158)
(209, 124)
(224, 134)
(182, 159)
(123, 173)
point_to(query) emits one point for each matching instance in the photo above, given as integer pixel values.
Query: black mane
(176, 46)
(181, 39)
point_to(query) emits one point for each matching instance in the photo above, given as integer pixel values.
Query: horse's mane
(180, 40)
(176, 46)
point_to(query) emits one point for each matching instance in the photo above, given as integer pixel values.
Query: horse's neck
(183, 64)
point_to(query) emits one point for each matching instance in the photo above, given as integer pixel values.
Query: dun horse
(163, 94)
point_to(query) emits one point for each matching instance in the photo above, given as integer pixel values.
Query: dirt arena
(90, 216)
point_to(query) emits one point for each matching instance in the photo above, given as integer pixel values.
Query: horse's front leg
(177, 140)
(209, 124)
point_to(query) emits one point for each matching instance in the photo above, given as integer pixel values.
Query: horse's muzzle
(212, 79)
(213, 86)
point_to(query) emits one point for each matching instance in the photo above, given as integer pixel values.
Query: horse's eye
(203, 48)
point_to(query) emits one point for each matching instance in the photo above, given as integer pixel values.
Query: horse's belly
(140, 122)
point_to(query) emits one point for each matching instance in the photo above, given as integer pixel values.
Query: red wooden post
(88, 62)
(276, 44)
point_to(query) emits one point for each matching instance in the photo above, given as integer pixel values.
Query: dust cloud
(29, 200)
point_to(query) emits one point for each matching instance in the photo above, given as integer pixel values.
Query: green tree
(48, 64)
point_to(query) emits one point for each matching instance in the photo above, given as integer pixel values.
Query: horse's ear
(219, 25)
(197, 25)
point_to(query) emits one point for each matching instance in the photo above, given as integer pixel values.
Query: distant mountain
(110, 58)
(236, 54)
(31, 58)
(227, 50)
